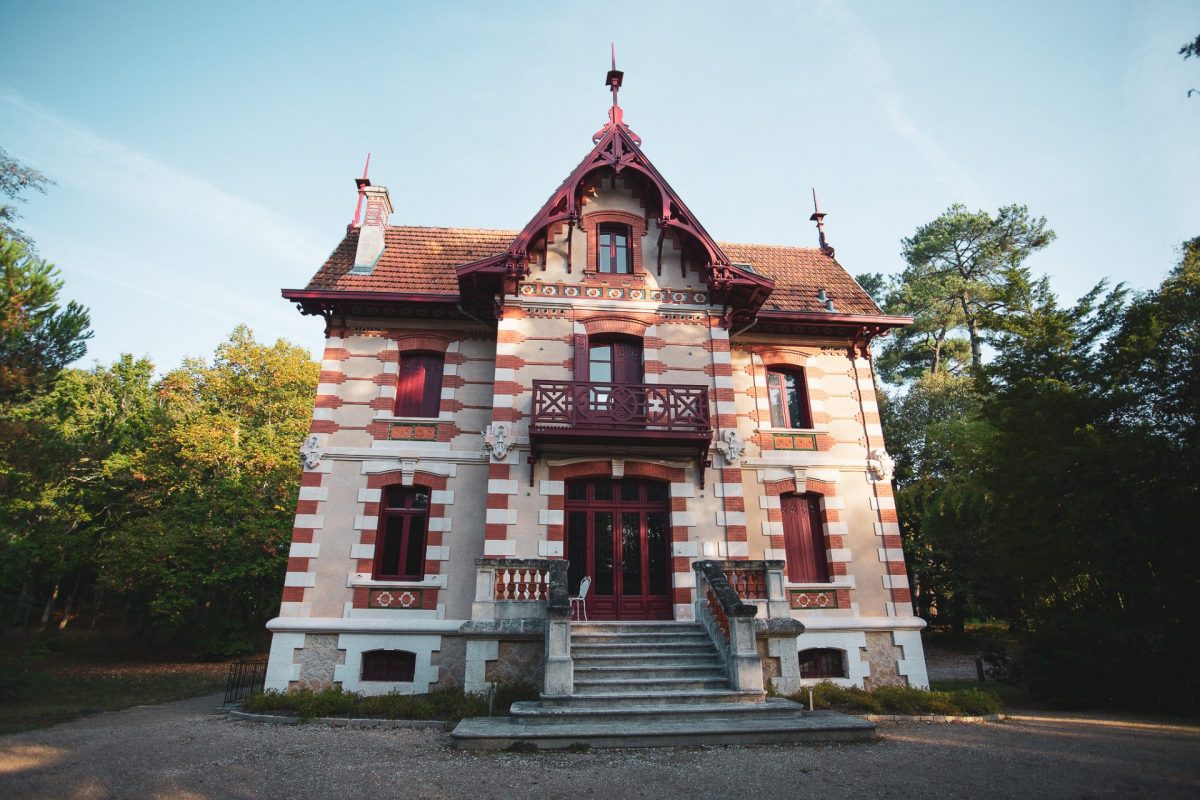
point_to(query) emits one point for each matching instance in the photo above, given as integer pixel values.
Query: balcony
(620, 413)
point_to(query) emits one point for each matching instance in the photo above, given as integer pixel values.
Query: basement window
(823, 662)
(392, 666)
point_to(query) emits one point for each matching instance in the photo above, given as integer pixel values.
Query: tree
(220, 478)
(15, 178)
(965, 269)
(38, 337)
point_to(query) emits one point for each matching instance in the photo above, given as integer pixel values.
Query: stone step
(654, 639)
(650, 660)
(629, 672)
(637, 649)
(643, 696)
(500, 733)
(535, 712)
(635, 627)
(593, 686)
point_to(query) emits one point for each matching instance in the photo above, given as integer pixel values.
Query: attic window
(613, 253)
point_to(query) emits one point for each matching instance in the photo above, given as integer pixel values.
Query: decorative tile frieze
(574, 291)
(794, 441)
(809, 600)
(395, 598)
(413, 432)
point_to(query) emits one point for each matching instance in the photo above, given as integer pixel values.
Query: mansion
(527, 442)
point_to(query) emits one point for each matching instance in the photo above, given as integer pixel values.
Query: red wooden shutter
(419, 386)
(627, 362)
(803, 539)
(581, 357)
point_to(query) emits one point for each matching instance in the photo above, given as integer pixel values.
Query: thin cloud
(860, 49)
(73, 155)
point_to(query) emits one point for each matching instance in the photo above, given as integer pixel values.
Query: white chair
(581, 598)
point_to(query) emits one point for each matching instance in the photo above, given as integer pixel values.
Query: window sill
(408, 420)
(790, 430)
(816, 587)
(394, 583)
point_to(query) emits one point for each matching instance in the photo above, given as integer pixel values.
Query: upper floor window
(400, 542)
(613, 252)
(419, 387)
(788, 397)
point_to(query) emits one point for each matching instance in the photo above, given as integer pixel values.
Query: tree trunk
(48, 609)
(958, 618)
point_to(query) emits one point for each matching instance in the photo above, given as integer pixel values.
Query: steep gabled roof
(424, 261)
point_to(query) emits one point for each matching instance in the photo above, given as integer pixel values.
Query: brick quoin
(335, 354)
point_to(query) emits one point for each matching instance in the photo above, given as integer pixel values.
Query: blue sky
(204, 153)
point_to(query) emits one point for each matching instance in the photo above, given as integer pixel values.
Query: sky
(204, 153)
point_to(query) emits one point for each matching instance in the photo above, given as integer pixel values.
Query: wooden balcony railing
(580, 406)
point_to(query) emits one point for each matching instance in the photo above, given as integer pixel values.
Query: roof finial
(616, 116)
(363, 183)
(818, 216)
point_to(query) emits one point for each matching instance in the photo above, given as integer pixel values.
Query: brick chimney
(371, 228)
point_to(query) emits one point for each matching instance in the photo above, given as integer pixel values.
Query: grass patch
(440, 704)
(966, 701)
(54, 677)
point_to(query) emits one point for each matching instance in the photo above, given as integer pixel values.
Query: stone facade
(496, 491)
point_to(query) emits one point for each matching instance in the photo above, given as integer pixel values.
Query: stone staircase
(653, 684)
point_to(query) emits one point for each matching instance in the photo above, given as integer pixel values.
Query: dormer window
(613, 253)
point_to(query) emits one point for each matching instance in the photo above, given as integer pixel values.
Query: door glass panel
(414, 560)
(600, 364)
(629, 491)
(603, 490)
(631, 554)
(576, 549)
(393, 536)
(657, 537)
(577, 490)
(602, 532)
(656, 492)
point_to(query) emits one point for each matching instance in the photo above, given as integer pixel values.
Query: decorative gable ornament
(881, 466)
(496, 442)
(311, 452)
(732, 447)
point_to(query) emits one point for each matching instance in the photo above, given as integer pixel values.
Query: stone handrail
(730, 625)
(523, 595)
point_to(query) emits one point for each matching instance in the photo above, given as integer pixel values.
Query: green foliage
(440, 704)
(903, 700)
(965, 270)
(168, 502)
(1049, 485)
(15, 178)
(38, 337)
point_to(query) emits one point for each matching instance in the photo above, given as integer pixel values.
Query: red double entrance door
(619, 534)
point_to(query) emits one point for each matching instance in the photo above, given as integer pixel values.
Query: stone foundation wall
(317, 661)
(884, 657)
(450, 662)
(517, 662)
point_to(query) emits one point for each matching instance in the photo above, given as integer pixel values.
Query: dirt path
(182, 750)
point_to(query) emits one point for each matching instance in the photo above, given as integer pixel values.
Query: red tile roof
(422, 260)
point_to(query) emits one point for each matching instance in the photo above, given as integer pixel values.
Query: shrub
(902, 700)
(443, 704)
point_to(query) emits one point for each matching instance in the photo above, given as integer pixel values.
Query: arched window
(393, 666)
(804, 538)
(419, 386)
(613, 253)
(787, 393)
(822, 662)
(400, 542)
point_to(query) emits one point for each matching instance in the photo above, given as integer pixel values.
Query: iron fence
(245, 678)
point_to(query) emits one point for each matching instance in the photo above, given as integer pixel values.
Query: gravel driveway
(184, 750)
